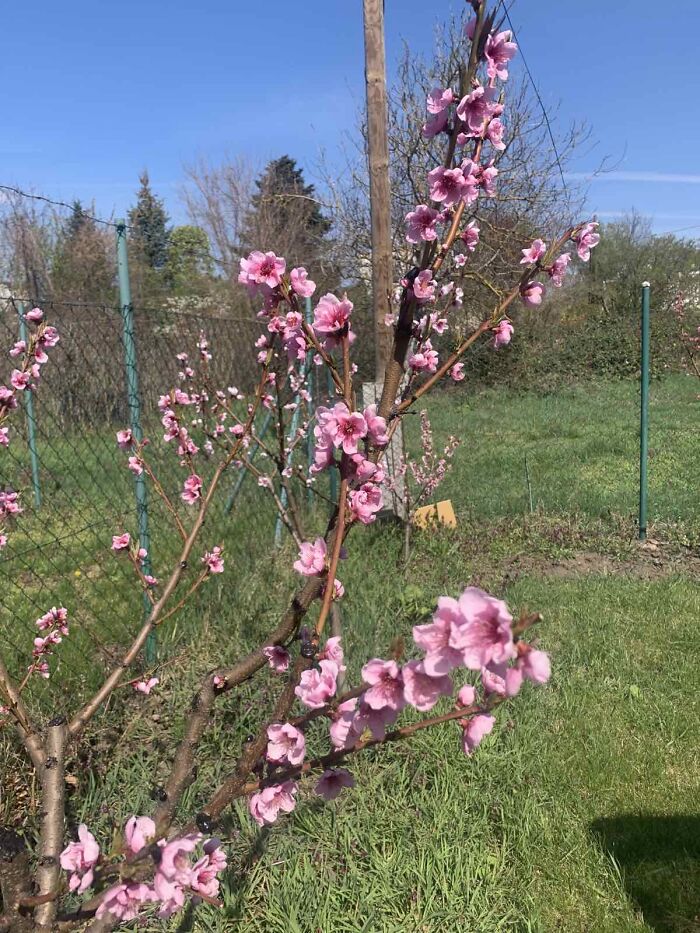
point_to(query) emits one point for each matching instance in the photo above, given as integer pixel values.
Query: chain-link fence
(76, 489)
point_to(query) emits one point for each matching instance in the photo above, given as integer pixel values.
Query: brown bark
(380, 198)
(52, 826)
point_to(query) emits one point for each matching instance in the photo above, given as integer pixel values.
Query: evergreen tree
(78, 221)
(149, 221)
(285, 215)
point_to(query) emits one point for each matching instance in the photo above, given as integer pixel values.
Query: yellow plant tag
(440, 513)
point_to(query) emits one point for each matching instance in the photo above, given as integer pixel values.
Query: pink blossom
(476, 108)
(466, 695)
(557, 270)
(135, 465)
(79, 858)
(425, 359)
(424, 286)
(447, 185)
(535, 666)
(586, 239)
(344, 428)
(145, 686)
(286, 744)
(437, 638)
(498, 51)
(175, 864)
(376, 427)
(138, 832)
(49, 337)
(4, 437)
(277, 658)
(376, 720)
(365, 502)
(460, 260)
(342, 730)
(317, 685)
(534, 252)
(439, 99)
(432, 127)
(35, 315)
(124, 901)
(470, 236)
(191, 489)
(457, 372)
(502, 680)
(19, 347)
(214, 560)
(502, 334)
(301, 283)
(121, 542)
(420, 689)
(125, 439)
(312, 558)
(485, 634)
(332, 782)
(476, 729)
(487, 179)
(331, 314)
(170, 894)
(333, 651)
(3, 541)
(204, 872)
(385, 685)
(20, 380)
(532, 293)
(420, 224)
(262, 269)
(265, 806)
(494, 134)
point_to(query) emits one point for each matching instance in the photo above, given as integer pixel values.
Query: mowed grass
(579, 814)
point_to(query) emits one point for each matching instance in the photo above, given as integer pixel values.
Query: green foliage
(189, 263)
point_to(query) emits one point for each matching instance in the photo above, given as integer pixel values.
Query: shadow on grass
(659, 857)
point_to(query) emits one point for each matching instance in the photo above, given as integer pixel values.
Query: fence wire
(59, 551)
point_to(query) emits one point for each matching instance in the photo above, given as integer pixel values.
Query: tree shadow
(659, 858)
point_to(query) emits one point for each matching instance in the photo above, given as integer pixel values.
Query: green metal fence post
(31, 419)
(134, 400)
(644, 418)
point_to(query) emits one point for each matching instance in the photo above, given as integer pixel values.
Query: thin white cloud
(639, 177)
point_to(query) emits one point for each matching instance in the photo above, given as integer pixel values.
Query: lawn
(579, 812)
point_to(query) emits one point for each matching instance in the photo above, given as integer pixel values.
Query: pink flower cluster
(473, 632)
(26, 377)
(54, 624)
(177, 876)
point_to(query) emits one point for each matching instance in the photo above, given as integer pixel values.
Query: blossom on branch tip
(262, 269)
(498, 51)
(121, 542)
(457, 372)
(35, 315)
(485, 634)
(586, 239)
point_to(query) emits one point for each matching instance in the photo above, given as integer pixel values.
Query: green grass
(577, 815)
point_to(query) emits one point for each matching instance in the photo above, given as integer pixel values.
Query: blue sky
(95, 92)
